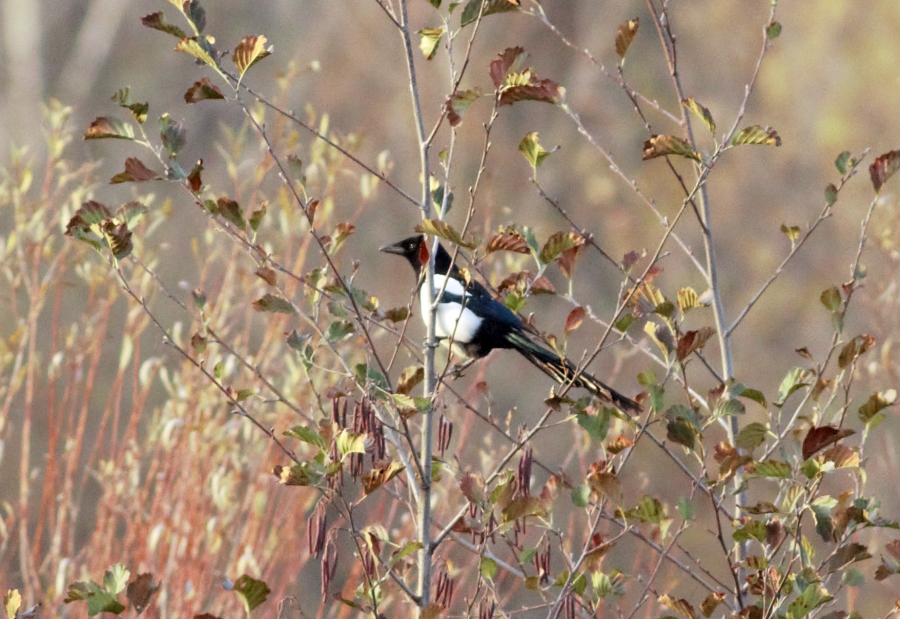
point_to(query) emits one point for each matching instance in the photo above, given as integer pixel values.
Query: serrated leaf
(249, 51)
(172, 134)
(769, 468)
(859, 345)
(338, 330)
(473, 7)
(251, 591)
(202, 91)
(105, 127)
(508, 240)
(625, 35)
(431, 37)
(756, 135)
(231, 211)
(532, 150)
(702, 113)
(271, 303)
(751, 436)
(557, 244)
(664, 145)
(883, 168)
(457, 104)
(307, 435)
(192, 47)
(157, 21)
(443, 230)
(140, 591)
(135, 171)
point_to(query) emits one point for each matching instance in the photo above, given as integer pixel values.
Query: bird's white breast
(452, 320)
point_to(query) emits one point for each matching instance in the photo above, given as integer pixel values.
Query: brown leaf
(854, 348)
(545, 90)
(619, 444)
(894, 548)
(472, 487)
(663, 145)
(135, 171)
(140, 591)
(570, 257)
(500, 67)
(458, 104)
(625, 35)
(202, 91)
(157, 21)
(411, 376)
(574, 319)
(819, 438)
(692, 341)
(524, 280)
(508, 240)
(883, 168)
(104, 127)
(267, 274)
(194, 181)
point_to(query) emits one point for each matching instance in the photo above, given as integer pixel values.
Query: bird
(475, 323)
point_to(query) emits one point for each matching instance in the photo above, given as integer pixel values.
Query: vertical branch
(427, 292)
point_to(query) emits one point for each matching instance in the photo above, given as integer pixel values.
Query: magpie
(475, 323)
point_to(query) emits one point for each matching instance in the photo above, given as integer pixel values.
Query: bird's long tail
(562, 371)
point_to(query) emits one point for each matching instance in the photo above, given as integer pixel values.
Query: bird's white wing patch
(452, 319)
(454, 286)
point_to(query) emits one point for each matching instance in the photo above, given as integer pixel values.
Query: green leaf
(647, 510)
(104, 602)
(831, 299)
(431, 37)
(138, 110)
(686, 508)
(792, 232)
(271, 303)
(581, 495)
(249, 51)
(532, 150)
(307, 435)
(557, 244)
(831, 194)
(877, 402)
(751, 436)
(841, 162)
(172, 134)
(115, 579)
(702, 113)
(769, 468)
(193, 47)
(773, 30)
(488, 568)
(756, 135)
(251, 591)
(349, 442)
(470, 12)
(597, 425)
(443, 230)
(794, 380)
(680, 431)
(664, 145)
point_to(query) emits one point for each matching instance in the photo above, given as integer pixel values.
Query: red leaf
(135, 171)
(500, 67)
(818, 438)
(508, 240)
(574, 319)
(883, 168)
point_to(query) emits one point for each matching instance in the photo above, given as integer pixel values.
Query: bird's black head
(412, 248)
(415, 250)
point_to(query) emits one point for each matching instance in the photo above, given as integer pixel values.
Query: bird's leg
(459, 368)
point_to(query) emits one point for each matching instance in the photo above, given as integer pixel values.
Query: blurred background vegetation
(830, 84)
